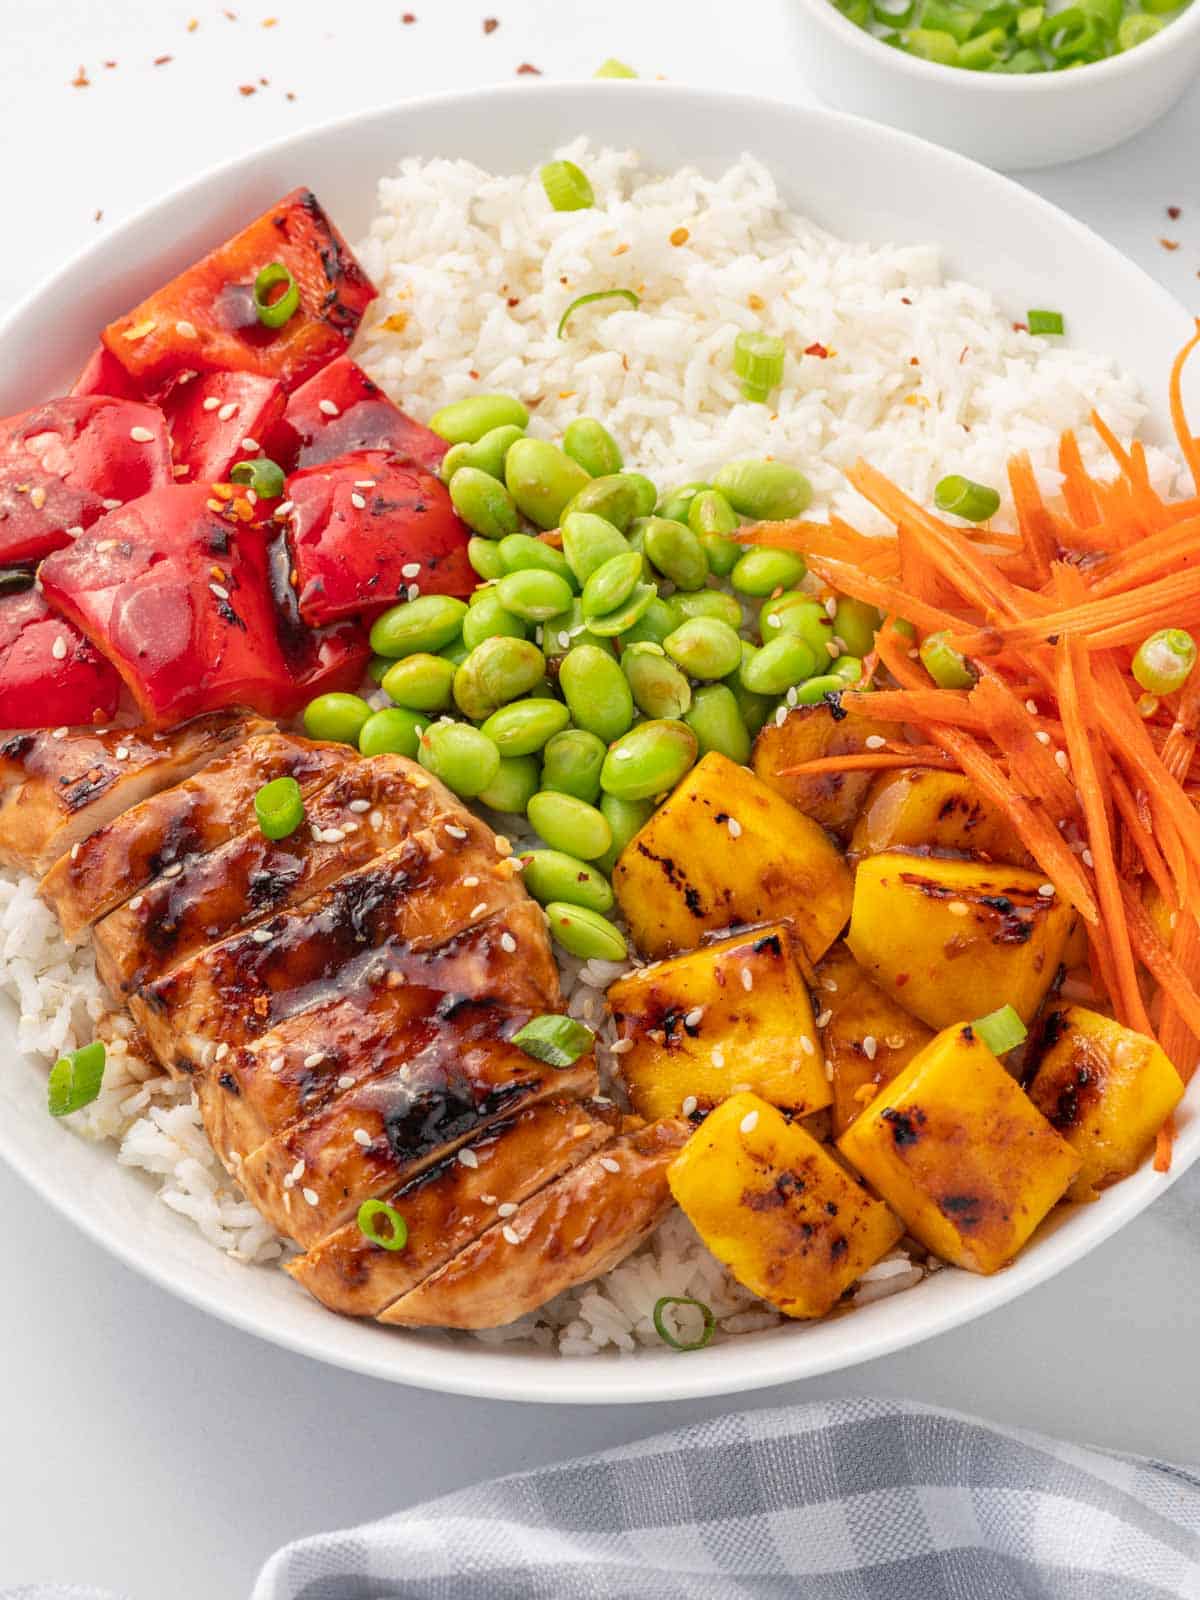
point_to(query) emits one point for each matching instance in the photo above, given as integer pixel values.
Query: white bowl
(1010, 121)
(859, 180)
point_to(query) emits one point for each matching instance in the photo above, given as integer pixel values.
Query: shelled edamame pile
(615, 637)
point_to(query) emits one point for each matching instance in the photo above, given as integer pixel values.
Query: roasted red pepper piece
(49, 673)
(363, 529)
(340, 412)
(61, 461)
(103, 374)
(205, 319)
(319, 659)
(177, 595)
(219, 419)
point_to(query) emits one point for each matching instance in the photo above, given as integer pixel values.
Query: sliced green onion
(567, 186)
(758, 359)
(930, 44)
(383, 1225)
(1021, 61)
(75, 1079)
(984, 51)
(856, 11)
(1000, 1030)
(974, 502)
(888, 15)
(665, 1334)
(1136, 29)
(1163, 662)
(1108, 13)
(1044, 321)
(959, 22)
(1029, 23)
(557, 1040)
(612, 68)
(279, 807)
(946, 666)
(273, 313)
(264, 476)
(590, 299)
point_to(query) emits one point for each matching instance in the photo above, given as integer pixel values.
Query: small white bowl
(1010, 121)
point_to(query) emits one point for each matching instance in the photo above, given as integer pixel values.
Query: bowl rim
(651, 1375)
(1001, 84)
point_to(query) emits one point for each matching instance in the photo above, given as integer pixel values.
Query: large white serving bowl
(860, 180)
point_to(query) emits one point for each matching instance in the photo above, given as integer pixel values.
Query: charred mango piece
(868, 1037)
(734, 1013)
(958, 1150)
(919, 808)
(953, 939)
(725, 849)
(1106, 1089)
(777, 1209)
(807, 734)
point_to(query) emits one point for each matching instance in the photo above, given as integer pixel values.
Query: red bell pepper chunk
(177, 595)
(363, 529)
(49, 673)
(103, 374)
(340, 412)
(61, 462)
(219, 419)
(205, 319)
(319, 660)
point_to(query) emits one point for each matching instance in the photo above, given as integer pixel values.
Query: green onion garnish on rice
(591, 299)
(1044, 321)
(665, 1334)
(567, 186)
(758, 361)
(75, 1079)
(960, 497)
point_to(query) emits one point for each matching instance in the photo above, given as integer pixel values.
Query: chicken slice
(362, 810)
(451, 1203)
(57, 787)
(312, 1178)
(191, 818)
(569, 1232)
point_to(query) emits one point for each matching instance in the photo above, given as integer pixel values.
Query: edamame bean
(660, 618)
(849, 669)
(569, 824)
(487, 455)
(624, 617)
(456, 653)
(590, 443)
(534, 594)
(497, 671)
(767, 491)
(571, 763)
(377, 666)
(520, 552)
(814, 690)
(542, 480)
(589, 542)
(710, 512)
(614, 497)
(585, 933)
(723, 554)
(854, 623)
(676, 552)
(336, 717)
(760, 571)
(467, 421)
(422, 682)
(754, 708)
(596, 691)
(553, 875)
(395, 731)
(708, 603)
(717, 723)
(779, 665)
(626, 818)
(676, 505)
(514, 785)
(645, 494)
(428, 623)
(522, 727)
(796, 613)
(483, 503)
(649, 760)
(488, 619)
(704, 647)
(484, 556)
(460, 756)
(610, 585)
(561, 632)
(658, 687)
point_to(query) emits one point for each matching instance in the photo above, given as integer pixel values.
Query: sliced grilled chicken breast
(191, 818)
(452, 1202)
(572, 1230)
(58, 787)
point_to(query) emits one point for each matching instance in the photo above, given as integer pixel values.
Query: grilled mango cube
(1106, 1089)
(725, 850)
(777, 1209)
(806, 734)
(956, 939)
(922, 808)
(960, 1152)
(731, 1013)
(868, 1037)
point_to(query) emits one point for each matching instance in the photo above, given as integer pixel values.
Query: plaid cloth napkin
(850, 1500)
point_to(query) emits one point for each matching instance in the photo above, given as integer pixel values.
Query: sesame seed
(112, 505)
(362, 1137)
(261, 936)
(411, 569)
(689, 1105)
(831, 608)
(251, 444)
(311, 1196)
(229, 409)
(609, 1164)
(477, 911)
(470, 881)
(503, 845)
(277, 1065)
(749, 1122)
(297, 1171)
(346, 1081)
(75, 849)
(511, 1234)
(875, 741)
(59, 648)
(140, 330)
(1031, 707)
(958, 908)
(37, 497)
(468, 1158)
(792, 697)
(328, 407)
(564, 640)
(488, 1199)
(210, 404)
(781, 716)
(692, 1019)
(508, 943)
(870, 1045)
(1060, 757)
(621, 1047)
(219, 589)
(824, 1018)
(185, 329)
(829, 985)
(357, 501)
(284, 508)
(735, 828)
(180, 469)
(506, 1210)
(718, 1057)
(774, 621)
(413, 591)
(455, 831)
(1088, 859)
(747, 979)
(135, 902)
(1042, 736)
(315, 1059)
(376, 819)
(60, 733)
(121, 753)
(359, 806)
(365, 483)
(141, 435)
(833, 649)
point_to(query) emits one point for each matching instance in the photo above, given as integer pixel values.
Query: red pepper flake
(266, 82)
(247, 88)
(528, 70)
(679, 236)
(110, 64)
(490, 24)
(914, 361)
(513, 300)
(161, 61)
(408, 19)
(473, 374)
(1020, 327)
(81, 80)
(232, 15)
(1174, 213)
(817, 350)
(904, 300)
(1169, 244)
(288, 95)
(99, 214)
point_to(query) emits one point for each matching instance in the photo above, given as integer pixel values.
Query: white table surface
(146, 1447)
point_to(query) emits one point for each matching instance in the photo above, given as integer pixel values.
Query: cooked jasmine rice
(886, 360)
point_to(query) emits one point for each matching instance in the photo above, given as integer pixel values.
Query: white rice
(924, 377)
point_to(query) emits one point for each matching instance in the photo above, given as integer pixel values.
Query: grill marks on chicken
(343, 1002)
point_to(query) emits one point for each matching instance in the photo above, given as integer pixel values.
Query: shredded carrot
(1078, 489)
(916, 755)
